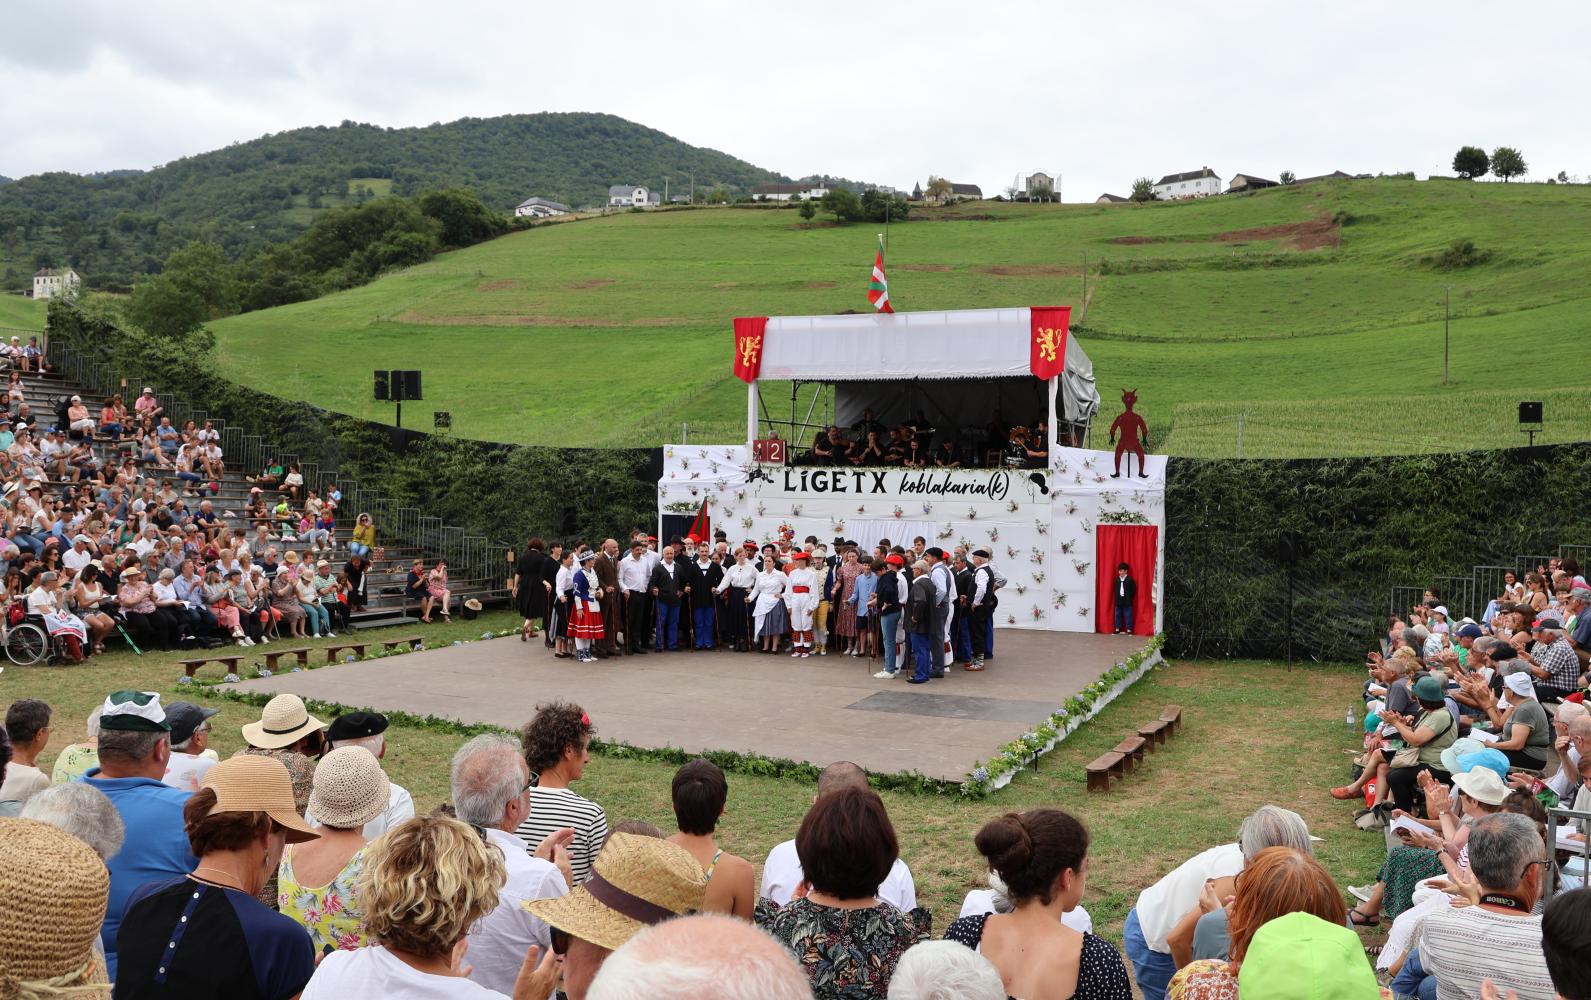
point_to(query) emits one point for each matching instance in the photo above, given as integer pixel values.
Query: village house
(628, 196)
(540, 208)
(1248, 182)
(48, 283)
(1199, 183)
(1109, 199)
(806, 191)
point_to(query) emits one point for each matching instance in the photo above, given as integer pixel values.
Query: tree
(808, 210)
(845, 205)
(1040, 191)
(938, 188)
(1288, 177)
(1563, 177)
(879, 206)
(1471, 162)
(1011, 192)
(1508, 162)
(195, 287)
(465, 220)
(1143, 189)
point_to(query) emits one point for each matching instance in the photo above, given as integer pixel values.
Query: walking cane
(129, 639)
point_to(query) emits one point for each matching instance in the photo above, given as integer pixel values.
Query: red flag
(749, 333)
(1047, 350)
(702, 527)
(878, 285)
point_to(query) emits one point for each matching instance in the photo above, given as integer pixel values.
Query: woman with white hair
(81, 810)
(945, 970)
(1174, 900)
(47, 601)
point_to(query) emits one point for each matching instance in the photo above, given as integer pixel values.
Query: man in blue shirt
(134, 747)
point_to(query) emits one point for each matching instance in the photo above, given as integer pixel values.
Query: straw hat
(284, 722)
(53, 889)
(251, 783)
(350, 789)
(639, 881)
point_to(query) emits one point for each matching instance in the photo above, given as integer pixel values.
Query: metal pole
(1084, 303)
(1447, 301)
(1240, 435)
(400, 412)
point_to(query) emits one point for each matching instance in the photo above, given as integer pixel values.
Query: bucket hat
(349, 789)
(1302, 957)
(53, 891)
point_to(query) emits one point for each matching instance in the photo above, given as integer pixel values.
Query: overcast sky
(880, 91)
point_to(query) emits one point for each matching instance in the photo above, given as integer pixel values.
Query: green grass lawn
(20, 313)
(1253, 733)
(1318, 299)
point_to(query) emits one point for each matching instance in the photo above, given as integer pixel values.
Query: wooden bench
(1102, 767)
(338, 647)
(1154, 733)
(231, 661)
(409, 641)
(1132, 748)
(274, 655)
(1172, 714)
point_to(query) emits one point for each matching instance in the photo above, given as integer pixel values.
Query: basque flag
(878, 287)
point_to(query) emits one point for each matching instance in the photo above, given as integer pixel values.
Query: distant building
(1199, 183)
(965, 191)
(1109, 199)
(1248, 182)
(1335, 175)
(786, 192)
(654, 198)
(628, 195)
(679, 199)
(48, 283)
(541, 208)
(1039, 185)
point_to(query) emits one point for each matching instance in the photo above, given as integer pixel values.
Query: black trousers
(635, 620)
(982, 617)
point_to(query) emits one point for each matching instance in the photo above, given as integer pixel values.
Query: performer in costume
(605, 571)
(549, 583)
(767, 599)
(802, 602)
(585, 617)
(738, 581)
(820, 618)
(704, 576)
(563, 602)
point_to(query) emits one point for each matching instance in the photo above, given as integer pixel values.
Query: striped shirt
(555, 808)
(1464, 945)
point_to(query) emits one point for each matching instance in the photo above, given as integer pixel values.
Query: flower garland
(1030, 746)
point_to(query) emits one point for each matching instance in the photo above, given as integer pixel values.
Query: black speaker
(410, 381)
(1530, 413)
(1289, 548)
(381, 386)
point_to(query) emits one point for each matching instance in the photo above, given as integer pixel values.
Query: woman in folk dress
(767, 599)
(738, 582)
(585, 617)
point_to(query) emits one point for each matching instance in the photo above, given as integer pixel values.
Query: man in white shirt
(944, 593)
(635, 574)
(79, 555)
(782, 874)
(368, 729)
(491, 792)
(191, 756)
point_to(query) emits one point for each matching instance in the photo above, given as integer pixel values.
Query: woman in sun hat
(316, 883)
(286, 732)
(424, 885)
(53, 891)
(1524, 731)
(206, 934)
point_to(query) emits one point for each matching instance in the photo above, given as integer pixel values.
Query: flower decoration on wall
(1021, 588)
(862, 509)
(1082, 612)
(928, 508)
(1010, 551)
(1071, 507)
(740, 495)
(965, 543)
(994, 534)
(1042, 527)
(1036, 556)
(762, 509)
(1010, 619)
(1058, 599)
(899, 511)
(1122, 517)
(1012, 506)
(1088, 462)
(1038, 613)
(1088, 526)
(795, 510)
(1038, 577)
(1067, 547)
(669, 451)
(945, 532)
(685, 463)
(1081, 565)
(745, 522)
(972, 513)
(1139, 497)
(1110, 496)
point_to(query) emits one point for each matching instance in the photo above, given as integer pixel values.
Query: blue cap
(1470, 632)
(1494, 760)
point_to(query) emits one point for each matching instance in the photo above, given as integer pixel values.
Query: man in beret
(368, 730)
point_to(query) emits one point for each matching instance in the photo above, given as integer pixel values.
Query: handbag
(1410, 756)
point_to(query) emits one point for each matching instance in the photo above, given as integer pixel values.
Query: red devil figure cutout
(1131, 426)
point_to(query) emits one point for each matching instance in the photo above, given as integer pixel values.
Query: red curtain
(1135, 545)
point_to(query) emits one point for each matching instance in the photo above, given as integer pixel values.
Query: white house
(628, 195)
(541, 208)
(785, 192)
(1039, 184)
(48, 283)
(1193, 184)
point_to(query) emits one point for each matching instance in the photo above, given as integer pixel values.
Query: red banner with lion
(750, 332)
(1047, 349)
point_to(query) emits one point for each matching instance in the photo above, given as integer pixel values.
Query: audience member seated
(995, 899)
(847, 939)
(191, 756)
(368, 730)
(1428, 734)
(638, 881)
(555, 744)
(317, 882)
(1041, 857)
(700, 792)
(1302, 957)
(28, 726)
(781, 872)
(945, 970)
(702, 957)
(204, 934)
(1175, 898)
(491, 792)
(47, 938)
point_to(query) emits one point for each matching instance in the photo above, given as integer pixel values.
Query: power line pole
(1447, 304)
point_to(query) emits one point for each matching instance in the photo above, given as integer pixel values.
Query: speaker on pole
(382, 385)
(411, 385)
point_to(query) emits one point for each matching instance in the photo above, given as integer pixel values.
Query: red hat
(894, 560)
(749, 544)
(800, 555)
(651, 538)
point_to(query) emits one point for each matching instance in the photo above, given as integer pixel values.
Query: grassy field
(1317, 306)
(20, 313)
(1192, 794)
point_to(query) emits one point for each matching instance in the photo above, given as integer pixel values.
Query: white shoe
(883, 675)
(242, 643)
(1361, 892)
(331, 635)
(247, 641)
(265, 640)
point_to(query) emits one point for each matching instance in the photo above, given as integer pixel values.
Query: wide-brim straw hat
(349, 790)
(252, 783)
(639, 881)
(283, 722)
(53, 889)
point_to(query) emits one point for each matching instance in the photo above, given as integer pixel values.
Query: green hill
(20, 313)
(1314, 312)
(117, 225)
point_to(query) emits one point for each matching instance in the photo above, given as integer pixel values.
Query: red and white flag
(878, 286)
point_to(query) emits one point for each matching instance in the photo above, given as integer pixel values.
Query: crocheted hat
(350, 789)
(53, 889)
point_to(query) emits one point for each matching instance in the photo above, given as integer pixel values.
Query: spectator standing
(28, 726)
(316, 882)
(491, 792)
(47, 938)
(1041, 857)
(920, 623)
(700, 792)
(556, 747)
(203, 935)
(134, 746)
(529, 592)
(369, 730)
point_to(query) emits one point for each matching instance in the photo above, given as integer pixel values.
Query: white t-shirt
(186, 771)
(781, 873)
(23, 781)
(374, 973)
(1161, 905)
(981, 901)
(499, 941)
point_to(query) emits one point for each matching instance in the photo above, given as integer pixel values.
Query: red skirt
(586, 621)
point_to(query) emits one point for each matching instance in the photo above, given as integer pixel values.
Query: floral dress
(330, 912)
(845, 586)
(847, 954)
(1214, 979)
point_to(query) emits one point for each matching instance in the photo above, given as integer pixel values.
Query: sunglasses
(560, 942)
